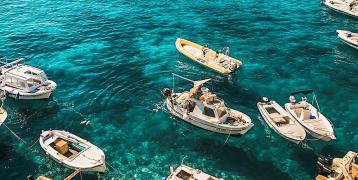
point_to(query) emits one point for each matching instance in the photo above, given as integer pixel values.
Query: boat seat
(306, 114)
(277, 118)
(196, 52)
(298, 111)
(210, 99)
(73, 153)
(275, 115)
(354, 170)
(298, 106)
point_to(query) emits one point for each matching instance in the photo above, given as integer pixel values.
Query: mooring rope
(23, 141)
(12, 132)
(227, 137)
(119, 172)
(71, 109)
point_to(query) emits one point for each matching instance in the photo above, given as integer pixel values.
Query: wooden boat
(21, 81)
(349, 38)
(220, 62)
(184, 172)
(315, 123)
(348, 7)
(72, 151)
(280, 121)
(204, 109)
(338, 168)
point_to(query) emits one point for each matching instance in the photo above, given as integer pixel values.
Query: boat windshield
(209, 112)
(33, 83)
(43, 77)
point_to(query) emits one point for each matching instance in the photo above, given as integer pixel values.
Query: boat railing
(4, 63)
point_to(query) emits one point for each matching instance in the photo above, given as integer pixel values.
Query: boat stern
(51, 85)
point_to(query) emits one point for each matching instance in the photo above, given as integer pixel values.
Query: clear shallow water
(111, 59)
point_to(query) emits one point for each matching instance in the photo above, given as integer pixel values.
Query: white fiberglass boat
(345, 168)
(3, 113)
(280, 121)
(25, 82)
(348, 7)
(184, 172)
(204, 109)
(309, 117)
(349, 38)
(72, 151)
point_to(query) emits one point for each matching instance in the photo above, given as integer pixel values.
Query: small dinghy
(72, 151)
(21, 81)
(348, 7)
(204, 109)
(280, 121)
(217, 61)
(349, 38)
(309, 117)
(184, 172)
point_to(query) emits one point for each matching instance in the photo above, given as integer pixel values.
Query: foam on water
(111, 59)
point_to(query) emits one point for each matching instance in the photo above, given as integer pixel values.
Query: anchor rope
(227, 137)
(24, 142)
(119, 172)
(71, 109)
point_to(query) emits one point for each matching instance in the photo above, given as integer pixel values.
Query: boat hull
(41, 94)
(100, 168)
(3, 115)
(272, 126)
(206, 125)
(330, 6)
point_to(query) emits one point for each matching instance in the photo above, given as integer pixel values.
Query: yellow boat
(219, 62)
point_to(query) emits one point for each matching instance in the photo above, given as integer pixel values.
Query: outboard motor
(265, 99)
(166, 92)
(233, 66)
(292, 99)
(324, 164)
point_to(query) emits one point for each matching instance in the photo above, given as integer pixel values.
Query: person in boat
(205, 49)
(349, 35)
(195, 91)
(216, 58)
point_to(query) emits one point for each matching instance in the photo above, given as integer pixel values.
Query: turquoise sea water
(111, 59)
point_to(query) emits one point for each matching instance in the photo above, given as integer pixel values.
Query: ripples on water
(111, 59)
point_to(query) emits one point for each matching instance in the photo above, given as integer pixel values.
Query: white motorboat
(204, 109)
(184, 172)
(3, 113)
(25, 82)
(349, 38)
(345, 168)
(72, 151)
(280, 121)
(314, 122)
(348, 7)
